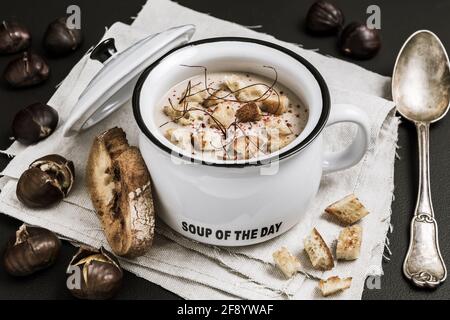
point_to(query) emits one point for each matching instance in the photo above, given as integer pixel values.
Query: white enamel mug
(243, 202)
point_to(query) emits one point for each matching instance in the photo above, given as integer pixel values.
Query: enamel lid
(113, 85)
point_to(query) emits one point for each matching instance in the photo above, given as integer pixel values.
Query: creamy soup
(230, 116)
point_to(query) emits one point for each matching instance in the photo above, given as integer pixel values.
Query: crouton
(334, 285)
(172, 112)
(234, 82)
(286, 262)
(318, 251)
(244, 91)
(275, 104)
(216, 97)
(349, 243)
(180, 137)
(207, 140)
(184, 118)
(277, 142)
(224, 114)
(276, 125)
(348, 210)
(249, 112)
(196, 95)
(245, 147)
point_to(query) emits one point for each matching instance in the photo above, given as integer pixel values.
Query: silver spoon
(421, 88)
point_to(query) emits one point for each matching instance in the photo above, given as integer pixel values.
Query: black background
(283, 19)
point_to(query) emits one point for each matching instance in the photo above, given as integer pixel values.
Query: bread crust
(120, 189)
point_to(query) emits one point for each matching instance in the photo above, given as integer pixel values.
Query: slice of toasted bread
(318, 251)
(349, 243)
(348, 210)
(334, 285)
(120, 189)
(286, 262)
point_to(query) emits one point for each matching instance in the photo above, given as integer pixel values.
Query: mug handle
(340, 160)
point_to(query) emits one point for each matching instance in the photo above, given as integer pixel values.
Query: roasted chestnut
(14, 37)
(60, 40)
(31, 249)
(358, 41)
(47, 181)
(99, 274)
(324, 18)
(34, 123)
(28, 70)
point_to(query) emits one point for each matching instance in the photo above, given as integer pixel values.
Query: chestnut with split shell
(358, 41)
(47, 181)
(94, 274)
(14, 37)
(60, 40)
(31, 249)
(324, 18)
(34, 123)
(28, 70)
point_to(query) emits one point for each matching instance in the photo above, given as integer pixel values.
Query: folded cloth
(194, 270)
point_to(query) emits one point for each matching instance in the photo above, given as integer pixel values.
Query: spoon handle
(423, 264)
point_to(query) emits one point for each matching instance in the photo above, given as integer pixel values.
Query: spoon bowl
(421, 80)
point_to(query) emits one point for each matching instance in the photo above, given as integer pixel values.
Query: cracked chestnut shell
(14, 37)
(358, 41)
(31, 249)
(324, 18)
(34, 123)
(28, 70)
(101, 274)
(60, 40)
(47, 181)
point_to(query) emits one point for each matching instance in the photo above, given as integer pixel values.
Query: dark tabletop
(283, 19)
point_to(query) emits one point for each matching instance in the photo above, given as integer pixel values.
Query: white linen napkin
(194, 270)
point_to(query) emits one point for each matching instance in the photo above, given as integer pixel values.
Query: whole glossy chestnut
(94, 274)
(60, 40)
(358, 41)
(31, 249)
(34, 123)
(28, 70)
(14, 37)
(324, 18)
(47, 181)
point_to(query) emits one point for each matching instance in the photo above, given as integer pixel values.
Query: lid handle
(104, 50)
